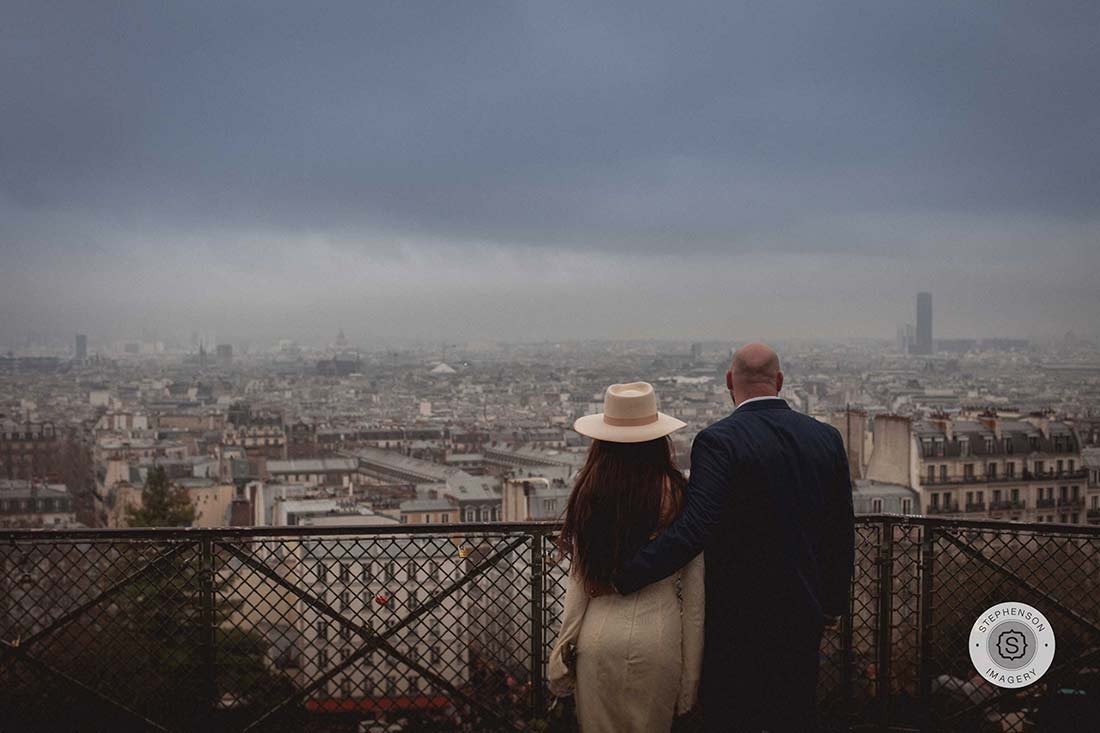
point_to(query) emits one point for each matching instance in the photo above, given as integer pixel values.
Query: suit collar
(764, 403)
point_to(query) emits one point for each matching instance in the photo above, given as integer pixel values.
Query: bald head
(754, 373)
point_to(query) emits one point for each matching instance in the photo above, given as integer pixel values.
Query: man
(770, 501)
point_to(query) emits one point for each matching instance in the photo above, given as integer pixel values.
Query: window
(368, 572)
(970, 498)
(549, 505)
(414, 600)
(935, 499)
(1063, 492)
(433, 654)
(1059, 466)
(989, 444)
(943, 473)
(444, 518)
(1010, 469)
(1038, 468)
(1070, 465)
(1009, 447)
(906, 506)
(345, 599)
(404, 519)
(981, 497)
(471, 514)
(322, 658)
(322, 630)
(931, 474)
(320, 572)
(345, 688)
(1096, 502)
(964, 446)
(991, 470)
(968, 471)
(996, 496)
(427, 518)
(876, 506)
(345, 573)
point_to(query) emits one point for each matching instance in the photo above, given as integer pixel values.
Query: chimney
(852, 424)
(891, 459)
(993, 422)
(1040, 421)
(944, 423)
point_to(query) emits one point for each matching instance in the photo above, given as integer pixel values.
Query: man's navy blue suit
(770, 501)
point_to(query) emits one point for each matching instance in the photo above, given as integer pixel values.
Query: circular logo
(1012, 644)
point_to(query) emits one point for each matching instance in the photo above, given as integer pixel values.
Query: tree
(162, 505)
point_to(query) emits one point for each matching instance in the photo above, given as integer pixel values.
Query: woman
(633, 661)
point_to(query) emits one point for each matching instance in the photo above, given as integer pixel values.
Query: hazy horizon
(527, 171)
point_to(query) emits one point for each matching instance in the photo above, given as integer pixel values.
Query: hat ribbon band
(624, 422)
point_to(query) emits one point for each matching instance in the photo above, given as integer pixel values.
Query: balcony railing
(1000, 478)
(1044, 503)
(1007, 505)
(448, 628)
(978, 506)
(943, 508)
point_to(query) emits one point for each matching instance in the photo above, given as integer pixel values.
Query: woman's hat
(629, 416)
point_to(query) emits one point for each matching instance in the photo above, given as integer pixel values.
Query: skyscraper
(81, 347)
(924, 324)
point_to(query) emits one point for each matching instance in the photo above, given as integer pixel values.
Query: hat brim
(593, 426)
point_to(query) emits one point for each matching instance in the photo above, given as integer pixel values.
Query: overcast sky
(468, 170)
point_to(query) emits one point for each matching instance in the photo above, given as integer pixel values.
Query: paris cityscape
(300, 306)
(989, 427)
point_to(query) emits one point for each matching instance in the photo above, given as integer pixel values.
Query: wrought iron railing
(442, 628)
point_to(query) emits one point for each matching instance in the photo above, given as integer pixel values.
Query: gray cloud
(246, 135)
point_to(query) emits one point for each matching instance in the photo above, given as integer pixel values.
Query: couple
(769, 500)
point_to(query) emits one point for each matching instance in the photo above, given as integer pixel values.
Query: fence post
(927, 563)
(208, 623)
(538, 695)
(885, 620)
(847, 630)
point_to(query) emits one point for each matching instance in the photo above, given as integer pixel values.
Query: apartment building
(1019, 469)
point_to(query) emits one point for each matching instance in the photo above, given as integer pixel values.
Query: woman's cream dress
(638, 657)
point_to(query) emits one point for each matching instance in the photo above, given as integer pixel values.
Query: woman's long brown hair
(618, 502)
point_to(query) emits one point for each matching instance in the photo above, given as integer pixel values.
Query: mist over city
(407, 366)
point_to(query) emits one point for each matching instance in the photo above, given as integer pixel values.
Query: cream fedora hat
(629, 416)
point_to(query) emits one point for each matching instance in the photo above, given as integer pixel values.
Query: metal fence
(440, 628)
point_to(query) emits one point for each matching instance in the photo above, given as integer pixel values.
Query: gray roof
(313, 465)
(23, 489)
(426, 505)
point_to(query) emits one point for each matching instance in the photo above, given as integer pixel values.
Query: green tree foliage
(162, 505)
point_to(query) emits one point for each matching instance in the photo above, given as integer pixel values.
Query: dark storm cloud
(893, 129)
(546, 123)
